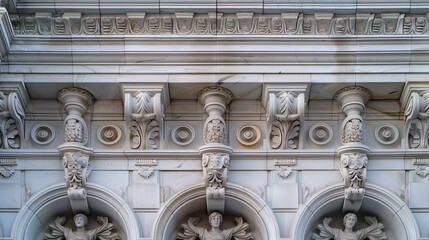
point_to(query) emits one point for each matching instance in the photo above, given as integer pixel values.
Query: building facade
(293, 120)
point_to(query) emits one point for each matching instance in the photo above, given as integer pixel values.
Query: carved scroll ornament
(284, 120)
(11, 121)
(144, 120)
(417, 120)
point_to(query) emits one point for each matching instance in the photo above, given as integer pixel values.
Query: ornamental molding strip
(212, 23)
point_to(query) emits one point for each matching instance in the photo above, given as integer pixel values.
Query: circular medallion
(183, 135)
(43, 133)
(109, 134)
(248, 135)
(320, 133)
(386, 134)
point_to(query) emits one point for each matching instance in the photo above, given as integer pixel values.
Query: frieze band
(223, 24)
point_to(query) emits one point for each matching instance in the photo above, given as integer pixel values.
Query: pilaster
(353, 151)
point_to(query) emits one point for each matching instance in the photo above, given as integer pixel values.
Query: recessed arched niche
(390, 210)
(239, 202)
(43, 208)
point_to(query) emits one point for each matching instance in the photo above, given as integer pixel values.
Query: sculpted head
(80, 220)
(215, 218)
(349, 220)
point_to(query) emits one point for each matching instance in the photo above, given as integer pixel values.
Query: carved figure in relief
(192, 232)
(372, 232)
(58, 231)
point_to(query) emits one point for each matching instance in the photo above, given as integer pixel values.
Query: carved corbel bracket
(144, 116)
(76, 170)
(353, 171)
(12, 116)
(285, 112)
(7, 166)
(353, 153)
(215, 175)
(417, 120)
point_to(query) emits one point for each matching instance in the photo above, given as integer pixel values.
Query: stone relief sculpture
(59, 231)
(284, 129)
(192, 232)
(11, 121)
(144, 123)
(372, 232)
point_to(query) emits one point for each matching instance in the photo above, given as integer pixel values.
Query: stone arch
(34, 217)
(399, 222)
(239, 202)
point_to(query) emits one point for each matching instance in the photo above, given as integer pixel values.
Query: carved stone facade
(273, 120)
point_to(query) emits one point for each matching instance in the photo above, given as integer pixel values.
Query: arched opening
(42, 209)
(399, 223)
(239, 202)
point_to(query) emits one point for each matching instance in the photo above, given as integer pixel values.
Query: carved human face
(80, 220)
(215, 220)
(350, 221)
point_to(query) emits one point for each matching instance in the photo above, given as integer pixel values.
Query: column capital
(352, 97)
(75, 99)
